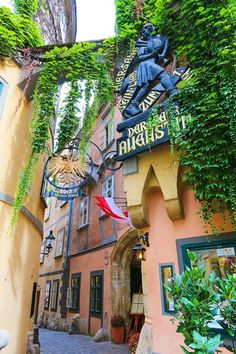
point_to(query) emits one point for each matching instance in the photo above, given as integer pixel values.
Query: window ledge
(80, 228)
(109, 145)
(94, 314)
(73, 310)
(103, 216)
(64, 203)
(59, 255)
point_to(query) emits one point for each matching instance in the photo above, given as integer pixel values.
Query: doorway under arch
(121, 261)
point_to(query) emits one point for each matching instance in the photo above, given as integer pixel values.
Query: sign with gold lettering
(148, 77)
(136, 137)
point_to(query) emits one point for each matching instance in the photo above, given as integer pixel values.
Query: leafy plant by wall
(227, 290)
(194, 300)
(198, 298)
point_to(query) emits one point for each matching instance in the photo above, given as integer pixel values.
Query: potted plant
(117, 329)
(133, 343)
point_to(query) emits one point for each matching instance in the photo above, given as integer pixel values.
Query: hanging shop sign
(148, 77)
(67, 172)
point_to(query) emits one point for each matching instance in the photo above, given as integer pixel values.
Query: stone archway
(121, 258)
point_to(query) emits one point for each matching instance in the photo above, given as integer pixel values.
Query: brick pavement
(54, 342)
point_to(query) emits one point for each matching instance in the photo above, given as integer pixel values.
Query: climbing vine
(17, 30)
(203, 32)
(27, 8)
(87, 71)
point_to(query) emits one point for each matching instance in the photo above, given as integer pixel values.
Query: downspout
(66, 273)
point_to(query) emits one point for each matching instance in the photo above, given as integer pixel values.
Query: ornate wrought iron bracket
(67, 171)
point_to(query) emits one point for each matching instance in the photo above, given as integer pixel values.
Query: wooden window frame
(165, 305)
(54, 293)
(105, 189)
(42, 252)
(71, 307)
(109, 132)
(47, 296)
(60, 252)
(82, 209)
(96, 313)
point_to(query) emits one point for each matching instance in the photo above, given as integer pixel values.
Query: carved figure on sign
(146, 73)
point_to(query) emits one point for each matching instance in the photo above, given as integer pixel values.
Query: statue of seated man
(152, 49)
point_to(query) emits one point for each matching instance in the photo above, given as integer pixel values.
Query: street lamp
(48, 247)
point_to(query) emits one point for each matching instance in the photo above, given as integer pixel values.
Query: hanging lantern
(139, 252)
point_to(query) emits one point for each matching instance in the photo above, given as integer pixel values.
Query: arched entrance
(121, 268)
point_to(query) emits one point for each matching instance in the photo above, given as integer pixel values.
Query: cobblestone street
(54, 342)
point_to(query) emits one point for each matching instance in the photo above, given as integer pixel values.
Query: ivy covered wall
(202, 33)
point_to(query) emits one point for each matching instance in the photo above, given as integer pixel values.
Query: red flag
(109, 207)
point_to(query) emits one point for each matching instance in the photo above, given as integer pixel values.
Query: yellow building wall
(19, 252)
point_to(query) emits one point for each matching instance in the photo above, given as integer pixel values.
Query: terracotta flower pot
(118, 334)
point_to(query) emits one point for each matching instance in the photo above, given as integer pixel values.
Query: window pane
(47, 294)
(219, 260)
(96, 294)
(54, 294)
(75, 285)
(59, 243)
(1, 87)
(83, 213)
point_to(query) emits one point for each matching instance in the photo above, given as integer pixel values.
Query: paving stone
(55, 342)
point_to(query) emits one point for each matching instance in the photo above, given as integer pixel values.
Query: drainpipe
(66, 270)
(4, 338)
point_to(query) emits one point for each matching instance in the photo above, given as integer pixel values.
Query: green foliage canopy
(26, 7)
(17, 31)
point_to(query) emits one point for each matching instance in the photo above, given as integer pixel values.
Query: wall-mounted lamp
(48, 247)
(143, 239)
(140, 247)
(139, 252)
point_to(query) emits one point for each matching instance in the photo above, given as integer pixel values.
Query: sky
(6, 3)
(95, 18)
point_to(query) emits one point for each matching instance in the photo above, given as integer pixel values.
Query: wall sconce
(139, 252)
(143, 239)
(140, 247)
(48, 247)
